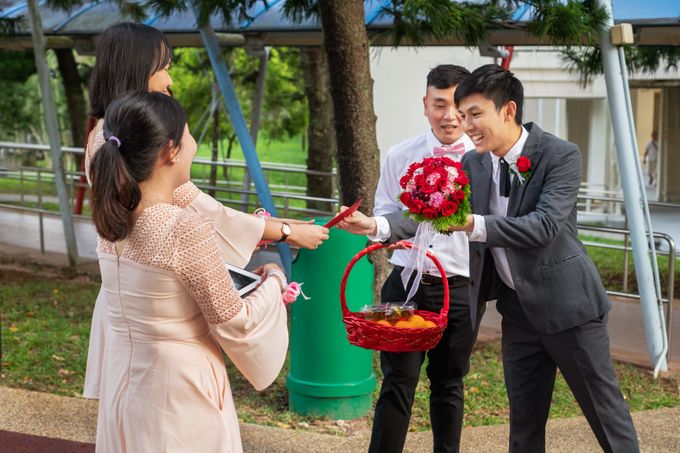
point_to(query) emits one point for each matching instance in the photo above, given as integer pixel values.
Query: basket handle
(345, 311)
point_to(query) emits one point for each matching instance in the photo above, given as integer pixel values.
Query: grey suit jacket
(556, 282)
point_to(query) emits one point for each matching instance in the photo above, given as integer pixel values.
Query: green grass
(45, 327)
(45, 330)
(286, 151)
(13, 186)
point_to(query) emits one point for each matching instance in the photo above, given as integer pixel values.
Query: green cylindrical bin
(328, 376)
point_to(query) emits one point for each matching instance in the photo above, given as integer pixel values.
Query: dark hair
(446, 76)
(142, 124)
(495, 84)
(128, 54)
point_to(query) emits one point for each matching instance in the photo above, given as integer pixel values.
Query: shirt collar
(514, 152)
(433, 141)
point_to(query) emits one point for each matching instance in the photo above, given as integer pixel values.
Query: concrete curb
(75, 419)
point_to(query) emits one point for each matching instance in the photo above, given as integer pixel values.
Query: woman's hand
(307, 236)
(274, 270)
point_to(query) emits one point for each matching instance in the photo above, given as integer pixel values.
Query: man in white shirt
(524, 250)
(449, 360)
(650, 159)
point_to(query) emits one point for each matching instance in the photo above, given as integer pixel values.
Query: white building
(554, 98)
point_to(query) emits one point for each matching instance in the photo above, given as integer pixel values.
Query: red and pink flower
(436, 190)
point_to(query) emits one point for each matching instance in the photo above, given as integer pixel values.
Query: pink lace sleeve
(199, 265)
(185, 194)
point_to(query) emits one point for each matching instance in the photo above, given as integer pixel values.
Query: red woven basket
(371, 335)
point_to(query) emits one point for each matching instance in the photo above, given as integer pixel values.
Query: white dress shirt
(451, 251)
(499, 206)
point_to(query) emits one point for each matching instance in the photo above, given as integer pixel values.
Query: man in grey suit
(525, 252)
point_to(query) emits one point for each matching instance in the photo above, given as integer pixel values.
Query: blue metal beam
(75, 15)
(238, 122)
(637, 212)
(151, 20)
(264, 8)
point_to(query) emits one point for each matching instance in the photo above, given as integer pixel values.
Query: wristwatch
(285, 231)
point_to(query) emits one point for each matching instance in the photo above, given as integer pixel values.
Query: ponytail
(115, 193)
(136, 128)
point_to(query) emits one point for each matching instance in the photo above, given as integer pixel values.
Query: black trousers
(530, 362)
(449, 362)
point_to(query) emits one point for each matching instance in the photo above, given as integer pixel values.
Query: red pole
(505, 62)
(82, 181)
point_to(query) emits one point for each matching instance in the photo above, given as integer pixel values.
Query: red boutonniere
(522, 168)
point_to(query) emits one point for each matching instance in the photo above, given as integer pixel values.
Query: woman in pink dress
(172, 307)
(115, 74)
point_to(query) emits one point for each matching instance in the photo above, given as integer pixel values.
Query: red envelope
(349, 211)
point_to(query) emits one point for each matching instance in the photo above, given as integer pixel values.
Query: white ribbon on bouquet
(415, 261)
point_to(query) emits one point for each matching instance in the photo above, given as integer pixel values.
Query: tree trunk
(75, 99)
(320, 134)
(346, 44)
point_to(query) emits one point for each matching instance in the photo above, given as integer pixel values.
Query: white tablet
(244, 281)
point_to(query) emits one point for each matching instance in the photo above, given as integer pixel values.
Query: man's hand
(358, 223)
(468, 227)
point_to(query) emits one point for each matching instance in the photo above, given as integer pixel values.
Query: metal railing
(290, 197)
(625, 247)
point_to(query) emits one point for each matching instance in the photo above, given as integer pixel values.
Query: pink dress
(237, 236)
(171, 309)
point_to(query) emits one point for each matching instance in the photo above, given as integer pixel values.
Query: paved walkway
(626, 332)
(41, 419)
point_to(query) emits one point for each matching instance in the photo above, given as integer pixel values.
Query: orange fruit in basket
(429, 324)
(417, 321)
(384, 322)
(404, 324)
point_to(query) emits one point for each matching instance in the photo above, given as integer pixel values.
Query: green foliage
(133, 10)
(22, 97)
(8, 26)
(416, 20)
(16, 66)
(284, 113)
(587, 61)
(23, 101)
(299, 10)
(566, 23)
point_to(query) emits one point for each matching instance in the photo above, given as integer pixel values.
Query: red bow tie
(449, 149)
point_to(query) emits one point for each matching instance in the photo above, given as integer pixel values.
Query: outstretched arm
(541, 226)
(252, 331)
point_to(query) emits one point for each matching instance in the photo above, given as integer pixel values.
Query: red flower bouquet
(436, 191)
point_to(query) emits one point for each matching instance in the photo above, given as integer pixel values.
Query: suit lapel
(482, 185)
(531, 150)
